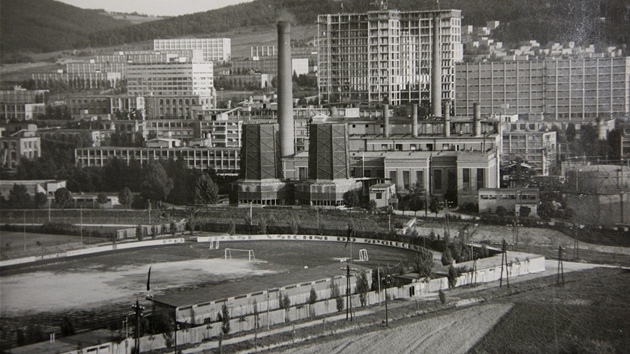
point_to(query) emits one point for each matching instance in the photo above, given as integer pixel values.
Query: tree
(125, 197)
(19, 197)
(362, 287)
(372, 205)
(453, 273)
(416, 203)
(192, 216)
(63, 197)
(571, 132)
(102, 198)
(447, 258)
(524, 211)
(351, 199)
(312, 297)
(225, 319)
(501, 211)
(206, 191)
(156, 185)
(423, 262)
(231, 228)
(435, 205)
(41, 199)
(334, 294)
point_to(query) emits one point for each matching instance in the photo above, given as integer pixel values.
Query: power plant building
(387, 56)
(554, 89)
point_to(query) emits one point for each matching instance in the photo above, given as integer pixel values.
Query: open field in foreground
(450, 333)
(586, 315)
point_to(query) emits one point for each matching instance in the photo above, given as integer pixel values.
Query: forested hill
(46, 25)
(543, 20)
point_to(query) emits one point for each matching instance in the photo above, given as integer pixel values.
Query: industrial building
(553, 89)
(22, 143)
(214, 49)
(537, 148)
(225, 161)
(389, 56)
(179, 76)
(21, 104)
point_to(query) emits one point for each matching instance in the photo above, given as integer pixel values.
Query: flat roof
(213, 292)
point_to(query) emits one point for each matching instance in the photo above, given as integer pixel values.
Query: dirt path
(455, 332)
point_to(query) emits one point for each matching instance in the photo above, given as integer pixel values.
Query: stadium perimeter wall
(84, 251)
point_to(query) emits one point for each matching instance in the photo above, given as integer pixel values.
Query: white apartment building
(556, 89)
(386, 56)
(177, 77)
(214, 49)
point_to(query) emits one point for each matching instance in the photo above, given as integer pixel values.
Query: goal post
(214, 244)
(231, 253)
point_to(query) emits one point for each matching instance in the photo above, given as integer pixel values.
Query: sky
(154, 7)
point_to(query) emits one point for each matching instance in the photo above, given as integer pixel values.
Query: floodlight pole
(24, 227)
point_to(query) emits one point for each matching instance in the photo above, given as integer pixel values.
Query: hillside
(47, 25)
(543, 20)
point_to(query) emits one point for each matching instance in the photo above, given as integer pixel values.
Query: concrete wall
(84, 251)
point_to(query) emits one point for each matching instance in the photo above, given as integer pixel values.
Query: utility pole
(504, 263)
(347, 291)
(560, 278)
(387, 282)
(24, 227)
(138, 311)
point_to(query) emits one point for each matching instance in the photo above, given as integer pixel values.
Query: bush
(501, 211)
(442, 296)
(225, 319)
(312, 298)
(447, 258)
(453, 273)
(524, 211)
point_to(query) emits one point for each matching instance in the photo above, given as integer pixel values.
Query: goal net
(214, 244)
(363, 255)
(231, 253)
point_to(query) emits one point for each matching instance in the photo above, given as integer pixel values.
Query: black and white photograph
(314, 176)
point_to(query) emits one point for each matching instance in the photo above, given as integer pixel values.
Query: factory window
(420, 179)
(393, 177)
(480, 177)
(379, 195)
(437, 179)
(466, 177)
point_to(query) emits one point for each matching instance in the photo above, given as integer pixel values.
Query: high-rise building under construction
(387, 56)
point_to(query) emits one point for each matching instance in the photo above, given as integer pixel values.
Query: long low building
(225, 161)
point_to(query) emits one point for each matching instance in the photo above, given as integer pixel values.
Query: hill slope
(47, 25)
(543, 20)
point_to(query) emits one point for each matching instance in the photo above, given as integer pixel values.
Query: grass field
(96, 291)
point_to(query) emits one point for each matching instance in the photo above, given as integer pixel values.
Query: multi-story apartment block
(386, 56)
(23, 143)
(20, 104)
(178, 77)
(213, 49)
(574, 89)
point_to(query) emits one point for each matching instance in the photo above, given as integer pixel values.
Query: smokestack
(386, 121)
(476, 120)
(447, 119)
(285, 90)
(436, 72)
(414, 120)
